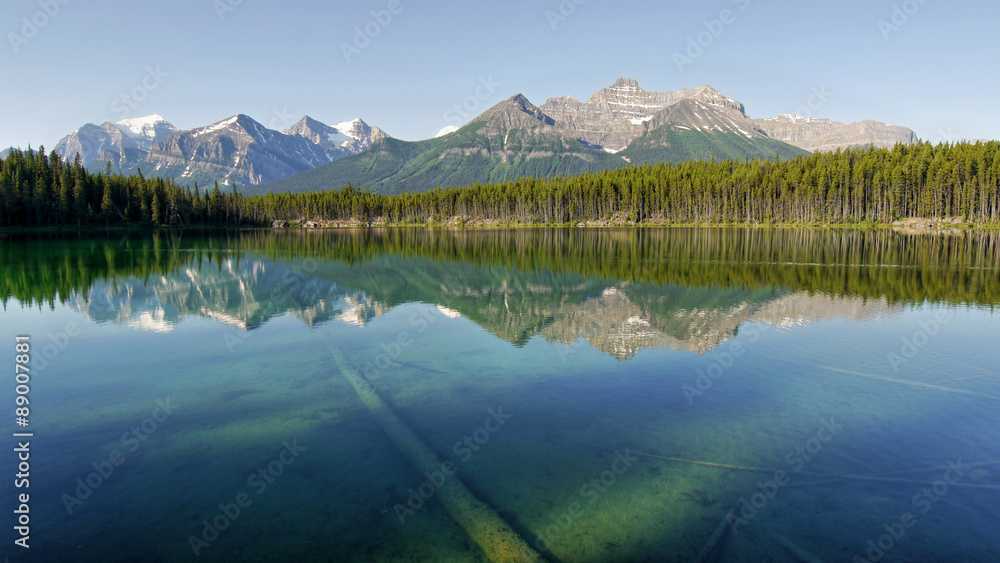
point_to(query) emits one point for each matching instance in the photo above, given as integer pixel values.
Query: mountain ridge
(515, 138)
(512, 139)
(237, 150)
(823, 135)
(617, 125)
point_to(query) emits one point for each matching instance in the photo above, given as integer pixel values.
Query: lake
(561, 395)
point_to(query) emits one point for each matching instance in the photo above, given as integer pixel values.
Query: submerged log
(498, 541)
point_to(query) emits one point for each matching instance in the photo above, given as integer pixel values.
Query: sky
(413, 68)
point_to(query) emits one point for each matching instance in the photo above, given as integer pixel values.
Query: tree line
(39, 189)
(845, 187)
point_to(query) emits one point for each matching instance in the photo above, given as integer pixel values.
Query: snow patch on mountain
(446, 130)
(216, 126)
(144, 126)
(338, 138)
(353, 128)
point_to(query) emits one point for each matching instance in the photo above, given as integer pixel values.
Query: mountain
(235, 150)
(151, 127)
(617, 125)
(344, 139)
(818, 134)
(125, 144)
(512, 139)
(620, 125)
(706, 127)
(615, 116)
(5, 152)
(358, 135)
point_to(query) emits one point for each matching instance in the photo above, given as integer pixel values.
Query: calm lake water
(576, 396)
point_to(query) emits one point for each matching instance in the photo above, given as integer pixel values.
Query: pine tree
(145, 213)
(155, 210)
(6, 219)
(127, 212)
(65, 203)
(107, 205)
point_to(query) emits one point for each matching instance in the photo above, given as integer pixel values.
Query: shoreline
(481, 226)
(488, 226)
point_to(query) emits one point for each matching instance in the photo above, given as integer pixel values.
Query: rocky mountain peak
(624, 95)
(713, 97)
(309, 122)
(356, 125)
(312, 129)
(148, 126)
(516, 112)
(714, 114)
(236, 150)
(237, 124)
(121, 144)
(358, 135)
(343, 139)
(818, 134)
(626, 85)
(615, 116)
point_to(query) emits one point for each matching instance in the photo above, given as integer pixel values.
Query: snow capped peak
(350, 137)
(446, 130)
(144, 126)
(227, 121)
(151, 119)
(218, 126)
(241, 122)
(354, 128)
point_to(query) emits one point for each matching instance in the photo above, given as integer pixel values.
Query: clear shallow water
(727, 395)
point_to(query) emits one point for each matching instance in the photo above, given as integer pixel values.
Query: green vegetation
(849, 263)
(39, 190)
(867, 186)
(667, 144)
(473, 154)
(47, 271)
(872, 186)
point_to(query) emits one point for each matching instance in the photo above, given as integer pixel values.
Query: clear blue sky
(436, 62)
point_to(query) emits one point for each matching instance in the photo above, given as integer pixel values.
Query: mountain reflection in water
(620, 291)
